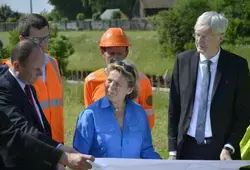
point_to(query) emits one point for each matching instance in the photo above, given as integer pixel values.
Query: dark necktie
(29, 95)
(202, 111)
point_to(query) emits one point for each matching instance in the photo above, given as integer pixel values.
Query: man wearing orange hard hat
(114, 45)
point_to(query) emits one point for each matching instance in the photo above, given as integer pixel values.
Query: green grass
(144, 52)
(73, 106)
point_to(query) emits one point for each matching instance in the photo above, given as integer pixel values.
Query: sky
(24, 5)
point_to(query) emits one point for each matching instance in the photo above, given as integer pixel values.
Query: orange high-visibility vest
(50, 97)
(94, 89)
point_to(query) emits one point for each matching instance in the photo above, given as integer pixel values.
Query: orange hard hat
(114, 37)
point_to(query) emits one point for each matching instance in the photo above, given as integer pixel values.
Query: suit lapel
(220, 69)
(194, 62)
(21, 95)
(45, 121)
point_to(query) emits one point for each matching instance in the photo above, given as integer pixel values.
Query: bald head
(22, 51)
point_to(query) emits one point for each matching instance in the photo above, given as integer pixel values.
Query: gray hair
(214, 20)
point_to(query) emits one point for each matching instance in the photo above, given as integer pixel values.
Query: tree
(96, 16)
(55, 15)
(238, 13)
(175, 27)
(116, 15)
(87, 8)
(65, 19)
(13, 40)
(68, 9)
(101, 5)
(7, 14)
(80, 16)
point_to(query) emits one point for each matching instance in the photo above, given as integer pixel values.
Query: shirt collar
(213, 59)
(46, 59)
(22, 85)
(104, 103)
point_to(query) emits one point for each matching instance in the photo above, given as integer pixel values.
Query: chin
(201, 50)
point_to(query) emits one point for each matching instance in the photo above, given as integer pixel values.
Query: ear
(126, 53)
(16, 65)
(222, 36)
(21, 38)
(102, 51)
(130, 90)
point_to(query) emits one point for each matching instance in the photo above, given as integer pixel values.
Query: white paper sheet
(149, 164)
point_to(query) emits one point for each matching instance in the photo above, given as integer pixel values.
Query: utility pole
(31, 6)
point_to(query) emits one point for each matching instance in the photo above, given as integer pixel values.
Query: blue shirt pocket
(105, 135)
(132, 142)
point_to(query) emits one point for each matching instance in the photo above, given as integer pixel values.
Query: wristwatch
(229, 150)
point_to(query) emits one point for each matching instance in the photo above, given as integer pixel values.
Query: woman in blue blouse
(115, 126)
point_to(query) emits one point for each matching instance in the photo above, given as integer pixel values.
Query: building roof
(107, 14)
(150, 4)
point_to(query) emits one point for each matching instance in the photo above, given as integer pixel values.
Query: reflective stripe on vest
(52, 103)
(149, 112)
(55, 68)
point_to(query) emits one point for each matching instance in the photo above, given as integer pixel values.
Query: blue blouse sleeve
(147, 151)
(84, 133)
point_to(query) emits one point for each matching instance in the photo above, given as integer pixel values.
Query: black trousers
(191, 150)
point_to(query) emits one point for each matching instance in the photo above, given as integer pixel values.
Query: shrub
(13, 40)
(96, 16)
(116, 15)
(80, 16)
(65, 19)
(175, 27)
(61, 48)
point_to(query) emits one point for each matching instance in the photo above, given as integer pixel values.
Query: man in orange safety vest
(114, 45)
(48, 86)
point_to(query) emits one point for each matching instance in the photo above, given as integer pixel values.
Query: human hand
(225, 155)
(60, 167)
(77, 161)
(172, 157)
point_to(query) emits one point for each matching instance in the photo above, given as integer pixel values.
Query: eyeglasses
(128, 68)
(39, 40)
(206, 38)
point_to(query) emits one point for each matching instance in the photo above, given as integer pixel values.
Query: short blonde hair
(130, 73)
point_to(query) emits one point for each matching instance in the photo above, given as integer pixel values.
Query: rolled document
(149, 164)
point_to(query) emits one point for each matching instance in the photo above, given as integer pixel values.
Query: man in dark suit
(22, 145)
(209, 97)
(19, 102)
(3, 69)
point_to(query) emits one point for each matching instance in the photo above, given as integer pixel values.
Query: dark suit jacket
(230, 108)
(15, 104)
(3, 69)
(21, 145)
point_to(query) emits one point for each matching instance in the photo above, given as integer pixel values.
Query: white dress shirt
(213, 69)
(46, 60)
(22, 85)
